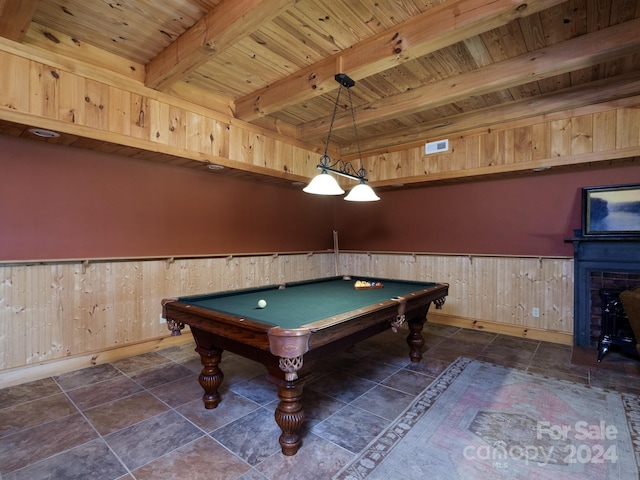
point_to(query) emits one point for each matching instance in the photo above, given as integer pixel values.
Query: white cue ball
(262, 303)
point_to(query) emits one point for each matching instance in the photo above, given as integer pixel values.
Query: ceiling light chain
(362, 172)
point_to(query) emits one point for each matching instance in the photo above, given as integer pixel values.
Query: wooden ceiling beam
(580, 52)
(436, 28)
(15, 18)
(221, 27)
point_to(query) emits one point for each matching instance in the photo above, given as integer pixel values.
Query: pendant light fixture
(325, 184)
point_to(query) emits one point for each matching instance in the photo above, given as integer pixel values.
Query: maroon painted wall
(59, 202)
(517, 216)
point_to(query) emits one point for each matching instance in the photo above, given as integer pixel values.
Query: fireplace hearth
(600, 263)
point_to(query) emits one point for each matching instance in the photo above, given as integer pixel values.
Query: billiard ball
(262, 303)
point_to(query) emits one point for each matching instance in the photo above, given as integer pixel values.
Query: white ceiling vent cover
(436, 147)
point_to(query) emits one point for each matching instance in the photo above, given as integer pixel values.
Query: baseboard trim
(562, 338)
(30, 373)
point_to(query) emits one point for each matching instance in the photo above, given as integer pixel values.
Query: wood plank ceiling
(420, 66)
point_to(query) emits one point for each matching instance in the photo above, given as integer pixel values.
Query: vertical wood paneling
(385, 166)
(52, 311)
(560, 138)
(508, 146)
(489, 152)
(140, 121)
(523, 147)
(257, 143)
(198, 131)
(119, 111)
(581, 134)
(71, 98)
(540, 141)
(604, 131)
(43, 90)
(430, 166)
(71, 89)
(220, 142)
(159, 122)
(628, 131)
(459, 155)
(497, 289)
(13, 93)
(177, 127)
(472, 144)
(281, 152)
(96, 104)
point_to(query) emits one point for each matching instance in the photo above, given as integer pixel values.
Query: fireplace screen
(616, 330)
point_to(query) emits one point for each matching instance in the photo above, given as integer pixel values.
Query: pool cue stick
(336, 252)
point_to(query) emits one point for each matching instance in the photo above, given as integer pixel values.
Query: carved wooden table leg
(289, 416)
(415, 341)
(211, 376)
(289, 346)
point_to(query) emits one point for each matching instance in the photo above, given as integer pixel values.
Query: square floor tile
(148, 440)
(203, 459)
(31, 414)
(231, 408)
(383, 401)
(28, 446)
(253, 437)
(138, 363)
(109, 417)
(408, 381)
(28, 392)
(87, 376)
(317, 459)
(91, 460)
(352, 428)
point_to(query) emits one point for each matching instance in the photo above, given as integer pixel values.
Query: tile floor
(143, 418)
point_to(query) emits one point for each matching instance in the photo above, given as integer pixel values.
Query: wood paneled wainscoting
(62, 316)
(493, 293)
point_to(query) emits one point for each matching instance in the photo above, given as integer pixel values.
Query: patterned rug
(481, 421)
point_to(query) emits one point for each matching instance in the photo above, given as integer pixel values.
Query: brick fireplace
(604, 290)
(600, 264)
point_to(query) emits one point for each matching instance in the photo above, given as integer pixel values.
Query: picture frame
(611, 210)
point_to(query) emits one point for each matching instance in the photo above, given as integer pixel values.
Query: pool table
(301, 323)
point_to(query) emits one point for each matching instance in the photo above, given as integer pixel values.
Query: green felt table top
(302, 303)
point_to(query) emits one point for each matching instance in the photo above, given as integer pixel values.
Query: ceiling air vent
(436, 147)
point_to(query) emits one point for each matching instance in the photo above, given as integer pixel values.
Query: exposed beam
(436, 28)
(574, 54)
(15, 18)
(221, 27)
(605, 90)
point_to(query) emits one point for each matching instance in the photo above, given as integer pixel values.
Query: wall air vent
(436, 147)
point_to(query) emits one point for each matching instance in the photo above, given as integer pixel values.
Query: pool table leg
(415, 340)
(211, 376)
(289, 416)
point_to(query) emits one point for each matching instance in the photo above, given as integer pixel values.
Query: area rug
(481, 421)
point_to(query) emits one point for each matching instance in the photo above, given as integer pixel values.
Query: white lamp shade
(362, 193)
(323, 184)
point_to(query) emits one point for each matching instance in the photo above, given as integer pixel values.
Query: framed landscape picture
(612, 210)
